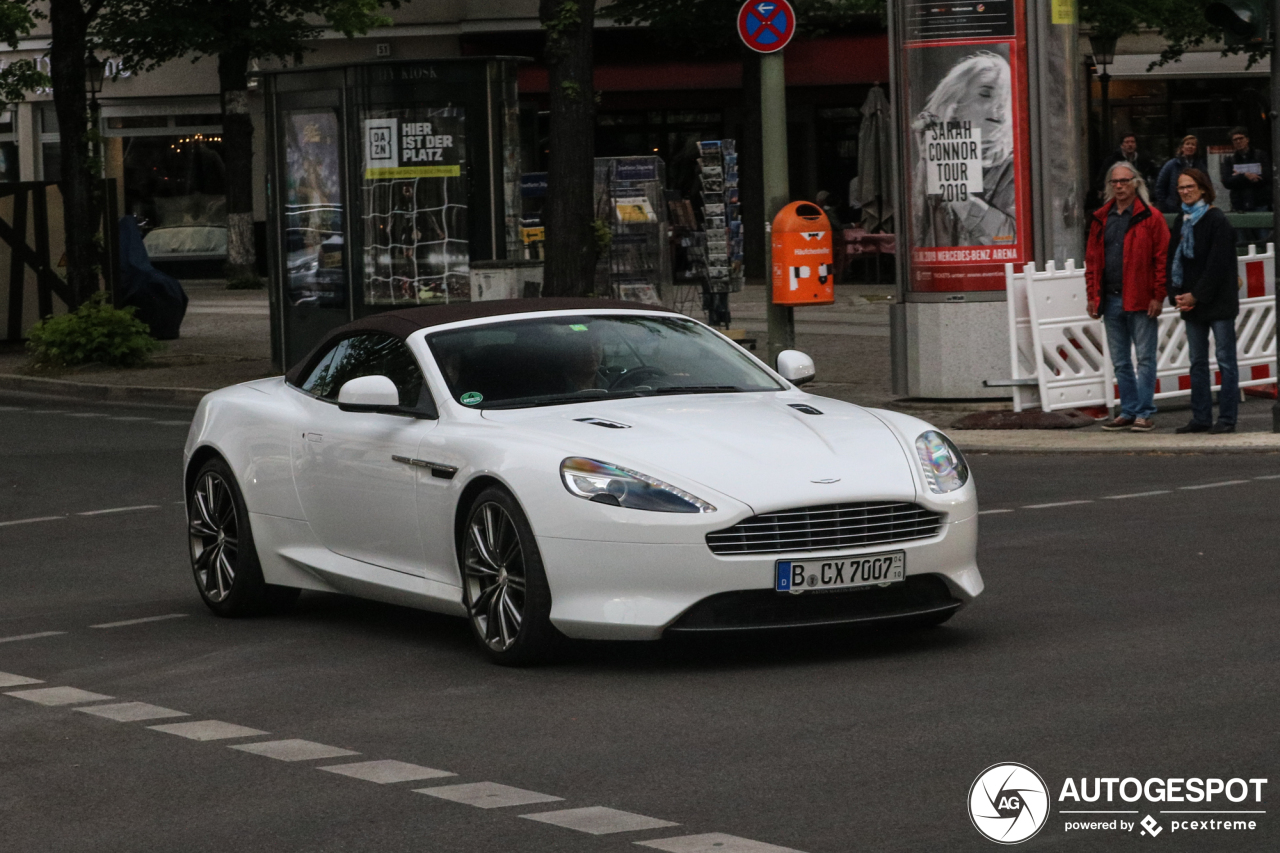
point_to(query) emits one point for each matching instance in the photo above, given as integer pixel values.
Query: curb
(103, 393)
(1028, 441)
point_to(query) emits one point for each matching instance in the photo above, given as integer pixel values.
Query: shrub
(94, 332)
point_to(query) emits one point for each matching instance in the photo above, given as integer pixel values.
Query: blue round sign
(766, 25)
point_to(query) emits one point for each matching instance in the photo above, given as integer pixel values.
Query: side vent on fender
(808, 410)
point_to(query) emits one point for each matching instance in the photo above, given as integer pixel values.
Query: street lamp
(95, 71)
(1104, 53)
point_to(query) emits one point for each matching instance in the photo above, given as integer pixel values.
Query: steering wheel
(629, 378)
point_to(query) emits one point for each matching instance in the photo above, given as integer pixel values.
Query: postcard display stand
(721, 241)
(629, 196)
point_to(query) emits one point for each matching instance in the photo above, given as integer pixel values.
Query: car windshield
(557, 360)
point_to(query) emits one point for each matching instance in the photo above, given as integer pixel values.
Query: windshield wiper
(587, 395)
(698, 389)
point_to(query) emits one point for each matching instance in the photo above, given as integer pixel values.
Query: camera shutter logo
(1008, 803)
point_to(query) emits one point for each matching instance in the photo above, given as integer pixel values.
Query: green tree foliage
(1180, 22)
(93, 333)
(17, 78)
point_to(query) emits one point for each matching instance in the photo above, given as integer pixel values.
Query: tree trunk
(751, 168)
(570, 211)
(81, 207)
(237, 148)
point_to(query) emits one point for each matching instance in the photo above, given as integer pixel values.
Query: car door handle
(313, 436)
(442, 472)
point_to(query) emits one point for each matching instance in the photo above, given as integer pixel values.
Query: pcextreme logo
(1008, 803)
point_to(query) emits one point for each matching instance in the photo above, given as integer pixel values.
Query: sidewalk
(225, 340)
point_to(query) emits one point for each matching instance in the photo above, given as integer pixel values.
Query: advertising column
(962, 97)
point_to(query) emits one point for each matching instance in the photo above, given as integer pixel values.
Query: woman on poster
(976, 90)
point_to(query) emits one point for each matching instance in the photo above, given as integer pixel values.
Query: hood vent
(601, 422)
(808, 410)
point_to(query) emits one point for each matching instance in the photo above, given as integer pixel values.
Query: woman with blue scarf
(1202, 285)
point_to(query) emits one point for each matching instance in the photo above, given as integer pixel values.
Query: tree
(1181, 23)
(145, 34)
(18, 78)
(571, 246)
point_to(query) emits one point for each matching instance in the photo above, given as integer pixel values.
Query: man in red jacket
(1125, 273)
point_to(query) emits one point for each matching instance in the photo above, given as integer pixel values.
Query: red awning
(828, 61)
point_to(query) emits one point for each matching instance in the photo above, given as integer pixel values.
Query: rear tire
(504, 585)
(224, 558)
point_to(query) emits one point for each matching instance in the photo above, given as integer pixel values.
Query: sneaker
(1220, 428)
(1143, 425)
(1121, 422)
(1194, 426)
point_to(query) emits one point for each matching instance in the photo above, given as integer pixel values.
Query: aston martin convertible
(582, 468)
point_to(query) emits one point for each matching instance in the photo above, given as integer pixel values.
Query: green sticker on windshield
(471, 398)
(578, 327)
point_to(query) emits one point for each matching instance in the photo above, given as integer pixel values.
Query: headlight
(618, 486)
(944, 468)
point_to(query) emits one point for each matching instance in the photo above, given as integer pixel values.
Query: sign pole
(777, 190)
(1275, 179)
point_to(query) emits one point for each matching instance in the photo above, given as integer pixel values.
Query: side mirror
(795, 367)
(369, 394)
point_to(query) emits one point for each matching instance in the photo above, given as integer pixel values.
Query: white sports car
(574, 467)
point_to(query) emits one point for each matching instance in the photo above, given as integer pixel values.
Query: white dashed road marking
(132, 712)
(207, 730)
(1214, 485)
(8, 679)
(386, 772)
(1056, 504)
(85, 414)
(993, 511)
(294, 749)
(118, 509)
(714, 842)
(1135, 495)
(174, 423)
(57, 695)
(598, 820)
(32, 520)
(488, 795)
(31, 637)
(124, 418)
(140, 621)
(1268, 477)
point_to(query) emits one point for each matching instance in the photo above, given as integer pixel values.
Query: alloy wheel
(215, 536)
(494, 573)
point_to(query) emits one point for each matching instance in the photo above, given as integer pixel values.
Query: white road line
(118, 509)
(140, 621)
(1268, 477)
(132, 712)
(993, 511)
(174, 423)
(8, 679)
(1135, 495)
(48, 411)
(294, 749)
(32, 520)
(713, 842)
(207, 730)
(12, 408)
(124, 418)
(388, 771)
(31, 636)
(488, 795)
(1058, 503)
(57, 695)
(86, 414)
(1213, 485)
(598, 820)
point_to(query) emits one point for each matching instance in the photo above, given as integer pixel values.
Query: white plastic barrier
(1054, 342)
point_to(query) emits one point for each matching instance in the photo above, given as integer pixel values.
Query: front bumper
(637, 591)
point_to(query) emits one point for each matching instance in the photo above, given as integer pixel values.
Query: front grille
(820, 528)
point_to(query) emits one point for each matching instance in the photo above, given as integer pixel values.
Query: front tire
(224, 559)
(504, 586)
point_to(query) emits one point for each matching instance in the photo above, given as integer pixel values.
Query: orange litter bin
(802, 256)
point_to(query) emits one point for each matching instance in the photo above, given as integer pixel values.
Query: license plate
(839, 572)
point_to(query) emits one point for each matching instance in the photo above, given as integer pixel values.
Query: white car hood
(752, 447)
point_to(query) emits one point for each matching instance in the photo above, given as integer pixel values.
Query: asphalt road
(1128, 631)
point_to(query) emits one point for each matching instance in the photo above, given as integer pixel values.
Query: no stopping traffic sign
(766, 25)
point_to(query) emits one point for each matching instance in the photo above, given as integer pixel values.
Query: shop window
(8, 148)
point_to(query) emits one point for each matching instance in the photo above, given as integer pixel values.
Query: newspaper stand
(802, 256)
(385, 181)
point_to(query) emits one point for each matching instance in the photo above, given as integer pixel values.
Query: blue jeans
(1224, 339)
(1126, 330)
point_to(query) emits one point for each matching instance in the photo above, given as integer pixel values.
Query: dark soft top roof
(405, 322)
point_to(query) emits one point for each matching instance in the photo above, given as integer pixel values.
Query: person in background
(1125, 276)
(1247, 174)
(823, 198)
(1188, 156)
(1128, 153)
(1202, 285)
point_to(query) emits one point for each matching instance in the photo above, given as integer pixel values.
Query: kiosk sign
(766, 26)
